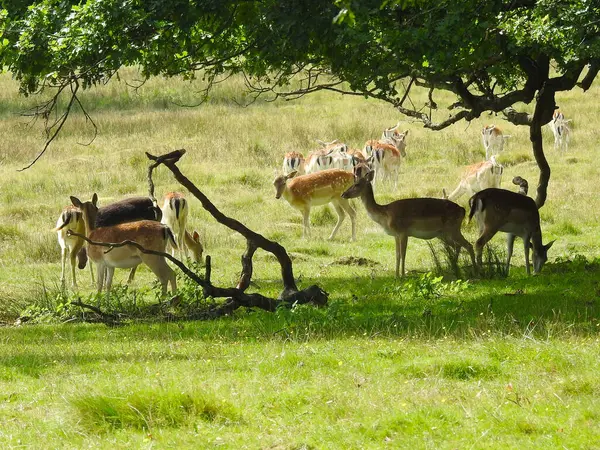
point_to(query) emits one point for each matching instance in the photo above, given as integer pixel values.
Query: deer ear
(195, 236)
(370, 175)
(406, 133)
(76, 201)
(549, 244)
(95, 199)
(292, 174)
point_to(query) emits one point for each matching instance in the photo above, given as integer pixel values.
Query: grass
(438, 360)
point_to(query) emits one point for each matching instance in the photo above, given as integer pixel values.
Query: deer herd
(333, 173)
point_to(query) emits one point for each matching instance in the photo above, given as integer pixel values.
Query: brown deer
(319, 188)
(149, 234)
(514, 214)
(423, 218)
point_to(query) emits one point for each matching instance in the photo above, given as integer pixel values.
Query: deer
(422, 218)
(561, 130)
(478, 177)
(324, 158)
(131, 210)
(70, 219)
(305, 191)
(293, 161)
(151, 235)
(397, 139)
(386, 159)
(493, 140)
(514, 214)
(175, 212)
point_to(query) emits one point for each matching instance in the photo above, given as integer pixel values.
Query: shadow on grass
(562, 301)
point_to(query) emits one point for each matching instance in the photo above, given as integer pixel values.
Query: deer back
(128, 210)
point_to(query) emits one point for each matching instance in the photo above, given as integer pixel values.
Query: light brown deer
(70, 219)
(514, 214)
(149, 234)
(423, 218)
(478, 177)
(174, 215)
(293, 161)
(493, 140)
(319, 188)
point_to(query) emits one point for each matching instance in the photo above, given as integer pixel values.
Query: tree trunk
(544, 108)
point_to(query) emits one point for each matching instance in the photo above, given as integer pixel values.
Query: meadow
(430, 361)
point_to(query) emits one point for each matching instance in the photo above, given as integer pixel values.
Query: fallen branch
(235, 297)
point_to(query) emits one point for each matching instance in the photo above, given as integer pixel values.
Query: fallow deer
(512, 213)
(324, 158)
(493, 140)
(386, 160)
(293, 161)
(320, 188)
(478, 177)
(397, 139)
(70, 219)
(423, 218)
(175, 211)
(560, 129)
(149, 234)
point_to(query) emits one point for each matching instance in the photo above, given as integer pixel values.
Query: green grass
(424, 362)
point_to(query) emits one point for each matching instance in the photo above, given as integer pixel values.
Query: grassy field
(425, 362)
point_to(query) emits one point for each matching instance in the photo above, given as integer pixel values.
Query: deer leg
(526, 246)
(131, 275)
(401, 243)
(91, 271)
(73, 258)
(510, 242)
(110, 271)
(352, 213)
(63, 259)
(341, 215)
(158, 265)
(306, 222)
(100, 271)
(486, 235)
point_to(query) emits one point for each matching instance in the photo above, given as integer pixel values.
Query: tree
(491, 54)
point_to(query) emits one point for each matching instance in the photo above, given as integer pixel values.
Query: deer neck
(536, 241)
(375, 211)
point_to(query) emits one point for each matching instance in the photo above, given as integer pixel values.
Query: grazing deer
(561, 130)
(70, 219)
(175, 212)
(514, 214)
(478, 177)
(324, 158)
(305, 191)
(493, 140)
(149, 234)
(293, 161)
(423, 218)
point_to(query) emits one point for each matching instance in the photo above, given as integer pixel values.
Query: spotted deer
(514, 214)
(478, 177)
(320, 188)
(386, 160)
(423, 218)
(149, 234)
